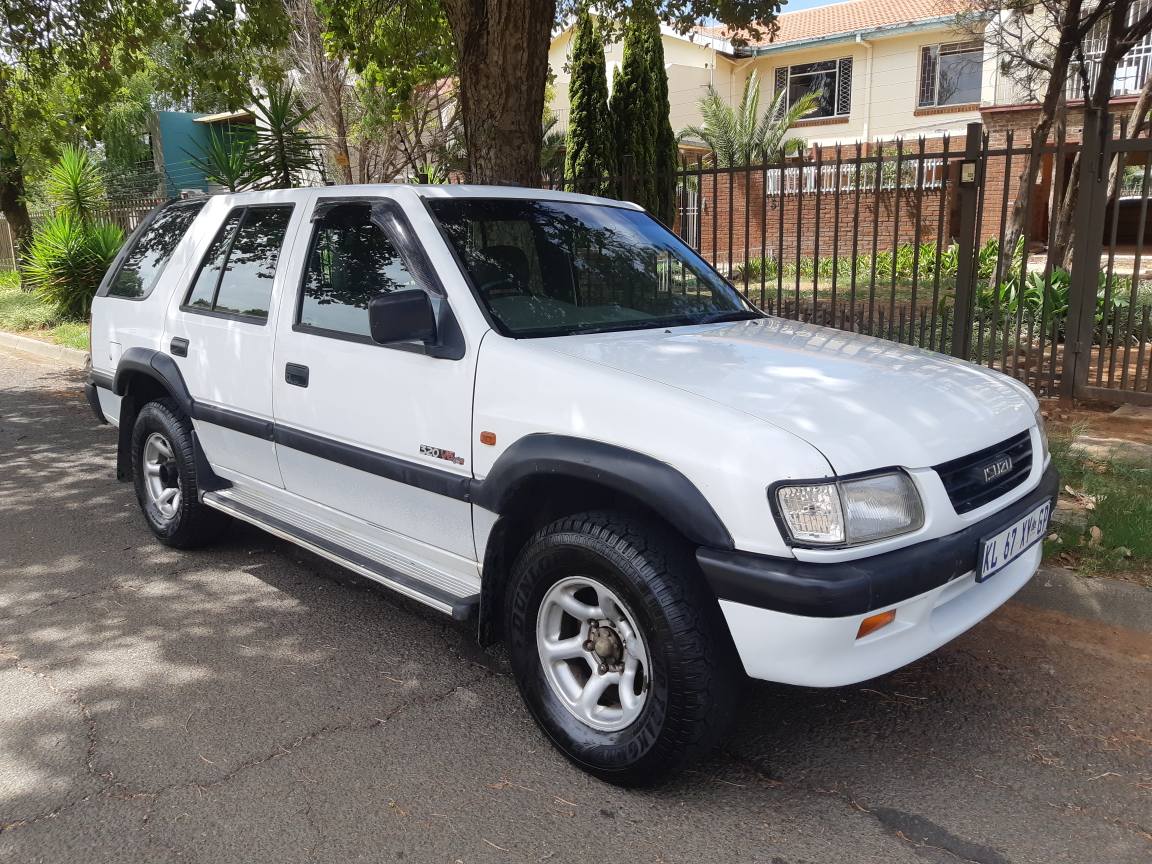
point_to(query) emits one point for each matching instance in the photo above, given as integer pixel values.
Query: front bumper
(796, 622)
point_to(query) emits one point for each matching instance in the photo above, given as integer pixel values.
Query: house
(884, 68)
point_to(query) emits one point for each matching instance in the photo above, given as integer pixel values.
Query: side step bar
(460, 608)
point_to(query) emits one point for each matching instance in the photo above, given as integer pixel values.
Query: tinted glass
(247, 282)
(818, 78)
(549, 268)
(204, 288)
(351, 261)
(146, 259)
(960, 72)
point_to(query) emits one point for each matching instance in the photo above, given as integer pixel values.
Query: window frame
(243, 209)
(397, 229)
(838, 65)
(936, 48)
(121, 259)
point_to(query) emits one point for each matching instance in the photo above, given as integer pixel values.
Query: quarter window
(950, 73)
(350, 262)
(830, 80)
(150, 253)
(236, 276)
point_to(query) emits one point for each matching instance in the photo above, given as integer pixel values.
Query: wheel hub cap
(594, 657)
(161, 475)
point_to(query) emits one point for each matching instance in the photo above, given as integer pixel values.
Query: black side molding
(445, 483)
(857, 587)
(656, 483)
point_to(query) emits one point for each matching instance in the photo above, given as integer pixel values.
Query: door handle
(296, 375)
(179, 347)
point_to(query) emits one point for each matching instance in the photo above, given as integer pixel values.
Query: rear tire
(164, 474)
(641, 677)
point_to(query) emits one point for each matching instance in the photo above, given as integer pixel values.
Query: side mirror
(402, 316)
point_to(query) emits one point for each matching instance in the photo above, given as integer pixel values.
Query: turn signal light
(488, 438)
(874, 622)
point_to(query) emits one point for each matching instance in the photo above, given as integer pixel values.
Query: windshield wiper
(742, 315)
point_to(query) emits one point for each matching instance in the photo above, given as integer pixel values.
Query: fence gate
(931, 243)
(1110, 300)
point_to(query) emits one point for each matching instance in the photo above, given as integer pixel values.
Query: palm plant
(227, 160)
(73, 248)
(552, 144)
(741, 135)
(75, 183)
(285, 150)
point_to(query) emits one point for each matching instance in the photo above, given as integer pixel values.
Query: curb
(59, 353)
(1121, 604)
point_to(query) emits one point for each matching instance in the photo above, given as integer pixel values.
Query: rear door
(379, 433)
(221, 336)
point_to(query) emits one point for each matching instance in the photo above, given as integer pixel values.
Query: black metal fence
(919, 242)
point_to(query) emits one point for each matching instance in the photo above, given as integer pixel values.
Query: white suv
(544, 412)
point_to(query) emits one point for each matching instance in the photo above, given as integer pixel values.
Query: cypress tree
(664, 150)
(632, 110)
(589, 155)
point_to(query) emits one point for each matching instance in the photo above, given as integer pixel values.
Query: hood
(865, 403)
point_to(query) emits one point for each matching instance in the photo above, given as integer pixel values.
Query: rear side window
(235, 278)
(351, 261)
(146, 259)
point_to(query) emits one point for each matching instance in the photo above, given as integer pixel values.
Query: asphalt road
(252, 703)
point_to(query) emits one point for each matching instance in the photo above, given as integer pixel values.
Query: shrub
(67, 260)
(72, 250)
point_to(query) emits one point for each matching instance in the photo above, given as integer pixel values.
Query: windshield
(553, 268)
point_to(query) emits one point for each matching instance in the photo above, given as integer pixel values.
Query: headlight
(848, 512)
(1043, 436)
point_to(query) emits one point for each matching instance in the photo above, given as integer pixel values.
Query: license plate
(1000, 550)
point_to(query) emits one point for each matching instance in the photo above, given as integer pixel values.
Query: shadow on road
(252, 702)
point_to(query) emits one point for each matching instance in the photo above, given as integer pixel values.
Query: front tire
(164, 474)
(618, 648)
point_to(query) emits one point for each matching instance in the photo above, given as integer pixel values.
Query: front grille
(964, 477)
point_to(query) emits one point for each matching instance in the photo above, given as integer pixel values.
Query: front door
(378, 433)
(220, 335)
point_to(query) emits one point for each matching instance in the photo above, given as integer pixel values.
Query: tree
(405, 103)
(324, 75)
(633, 119)
(741, 135)
(665, 153)
(589, 156)
(1039, 45)
(501, 60)
(1125, 24)
(92, 47)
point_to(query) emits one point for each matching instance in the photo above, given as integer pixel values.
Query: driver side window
(349, 262)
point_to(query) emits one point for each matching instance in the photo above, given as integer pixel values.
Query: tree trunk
(12, 204)
(1098, 99)
(1054, 97)
(341, 155)
(502, 47)
(1065, 234)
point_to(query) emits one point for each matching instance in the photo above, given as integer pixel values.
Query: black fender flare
(161, 368)
(152, 364)
(659, 485)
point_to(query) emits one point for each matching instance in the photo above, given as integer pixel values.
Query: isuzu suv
(544, 413)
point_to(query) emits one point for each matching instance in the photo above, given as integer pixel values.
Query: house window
(950, 73)
(831, 80)
(1132, 71)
